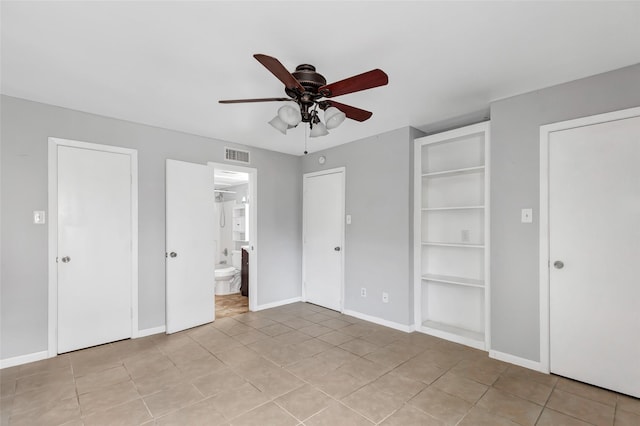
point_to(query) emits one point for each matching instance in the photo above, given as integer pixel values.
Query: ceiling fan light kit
(318, 129)
(333, 117)
(306, 88)
(279, 125)
(290, 114)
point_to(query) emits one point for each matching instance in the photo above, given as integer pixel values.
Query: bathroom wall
(240, 192)
(225, 233)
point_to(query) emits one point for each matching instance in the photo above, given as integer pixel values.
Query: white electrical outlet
(363, 292)
(464, 235)
(348, 219)
(385, 297)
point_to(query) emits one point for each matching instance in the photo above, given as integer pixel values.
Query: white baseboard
(150, 331)
(380, 321)
(278, 303)
(23, 359)
(38, 356)
(522, 362)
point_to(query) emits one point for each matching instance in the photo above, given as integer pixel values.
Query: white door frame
(53, 233)
(253, 226)
(545, 135)
(343, 172)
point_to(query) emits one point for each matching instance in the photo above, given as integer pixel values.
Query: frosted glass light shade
(333, 117)
(290, 114)
(279, 125)
(318, 129)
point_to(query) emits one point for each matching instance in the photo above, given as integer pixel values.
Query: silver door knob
(66, 259)
(173, 254)
(558, 264)
(336, 248)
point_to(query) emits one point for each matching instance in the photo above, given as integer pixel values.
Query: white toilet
(228, 276)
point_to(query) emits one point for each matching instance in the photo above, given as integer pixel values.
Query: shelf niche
(451, 233)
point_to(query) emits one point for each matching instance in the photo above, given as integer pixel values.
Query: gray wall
(25, 128)
(515, 175)
(379, 241)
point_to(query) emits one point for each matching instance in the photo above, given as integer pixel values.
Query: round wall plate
(322, 159)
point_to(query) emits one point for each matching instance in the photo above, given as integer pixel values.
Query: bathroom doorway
(235, 236)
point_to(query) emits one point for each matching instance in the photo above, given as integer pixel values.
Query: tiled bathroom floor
(297, 365)
(230, 305)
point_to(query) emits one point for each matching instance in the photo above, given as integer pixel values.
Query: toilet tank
(236, 259)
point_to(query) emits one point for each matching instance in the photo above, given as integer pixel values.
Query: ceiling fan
(308, 89)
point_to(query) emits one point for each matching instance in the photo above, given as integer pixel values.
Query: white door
(94, 247)
(190, 245)
(323, 214)
(594, 222)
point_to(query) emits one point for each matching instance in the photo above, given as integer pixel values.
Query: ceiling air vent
(236, 155)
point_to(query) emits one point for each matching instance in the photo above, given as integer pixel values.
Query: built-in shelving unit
(241, 222)
(452, 235)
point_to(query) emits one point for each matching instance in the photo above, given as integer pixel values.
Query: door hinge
(56, 260)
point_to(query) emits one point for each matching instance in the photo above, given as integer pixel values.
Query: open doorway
(235, 222)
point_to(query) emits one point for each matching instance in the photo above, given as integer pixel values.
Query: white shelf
(467, 282)
(453, 333)
(435, 209)
(454, 172)
(429, 243)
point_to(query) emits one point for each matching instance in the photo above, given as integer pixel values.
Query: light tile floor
(297, 365)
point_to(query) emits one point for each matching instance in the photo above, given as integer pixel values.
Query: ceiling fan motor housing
(311, 81)
(308, 77)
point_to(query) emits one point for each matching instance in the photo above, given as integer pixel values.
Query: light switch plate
(527, 216)
(38, 217)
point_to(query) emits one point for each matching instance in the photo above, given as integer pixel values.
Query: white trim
(417, 231)
(343, 172)
(253, 226)
(391, 324)
(151, 331)
(545, 133)
(278, 303)
(53, 232)
(23, 359)
(487, 234)
(516, 360)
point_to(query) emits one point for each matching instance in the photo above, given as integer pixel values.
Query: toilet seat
(225, 272)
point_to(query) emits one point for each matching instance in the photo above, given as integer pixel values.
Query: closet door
(594, 216)
(95, 208)
(323, 238)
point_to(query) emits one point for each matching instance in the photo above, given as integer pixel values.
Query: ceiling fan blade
(353, 113)
(242, 101)
(367, 80)
(281, 73)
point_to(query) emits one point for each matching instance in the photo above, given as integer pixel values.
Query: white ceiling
(167, 64)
